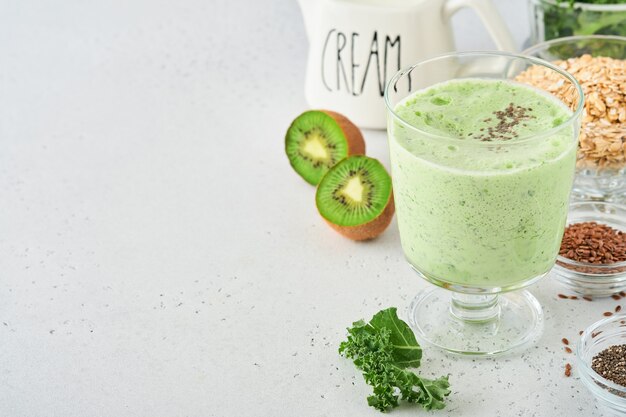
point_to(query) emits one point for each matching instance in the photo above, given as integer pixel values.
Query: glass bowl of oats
(592, 256)
(599, 64)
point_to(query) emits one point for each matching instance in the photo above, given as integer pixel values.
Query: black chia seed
(507, 120)
(611, 364)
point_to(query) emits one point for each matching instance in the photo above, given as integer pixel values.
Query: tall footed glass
(482, 170)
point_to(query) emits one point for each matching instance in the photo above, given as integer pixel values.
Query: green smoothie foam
(482, 187)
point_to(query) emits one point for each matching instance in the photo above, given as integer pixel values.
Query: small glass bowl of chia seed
(593, 279)
(596, 341)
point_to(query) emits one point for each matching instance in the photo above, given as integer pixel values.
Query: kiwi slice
(355, 197)
(318, 139)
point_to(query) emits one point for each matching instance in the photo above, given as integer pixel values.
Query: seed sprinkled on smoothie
(507, 119)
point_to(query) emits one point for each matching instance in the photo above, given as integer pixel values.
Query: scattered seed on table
(562, 296)
(595, 334)
(588, 298)
(622, 293)
(568, 349)
(616, 297)
(618, 309)
(580, 333)
(565, 341)
(607, 313)
(573, 297)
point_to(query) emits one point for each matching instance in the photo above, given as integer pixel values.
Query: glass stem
(475, 308)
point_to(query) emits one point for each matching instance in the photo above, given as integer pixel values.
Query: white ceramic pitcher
(356, 46)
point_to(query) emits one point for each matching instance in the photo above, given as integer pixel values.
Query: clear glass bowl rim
(586, 367)
(584, 6)
(524, 140)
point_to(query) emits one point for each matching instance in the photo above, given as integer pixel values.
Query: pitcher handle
(491, 19)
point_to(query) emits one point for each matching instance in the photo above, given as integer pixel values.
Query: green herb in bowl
(555, 19)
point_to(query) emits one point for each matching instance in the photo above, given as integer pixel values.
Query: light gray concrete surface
(158, 256)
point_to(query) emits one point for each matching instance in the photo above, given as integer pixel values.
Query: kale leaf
(383, 349)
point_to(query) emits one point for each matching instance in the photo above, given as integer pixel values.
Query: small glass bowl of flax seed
(599, 64)
(601, 362)
(592, 257)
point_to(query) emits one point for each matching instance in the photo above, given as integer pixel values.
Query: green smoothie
(482, 186)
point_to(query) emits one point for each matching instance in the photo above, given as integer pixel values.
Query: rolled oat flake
(602, 142)
(611, 364)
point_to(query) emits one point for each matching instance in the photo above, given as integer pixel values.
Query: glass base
(478, 325)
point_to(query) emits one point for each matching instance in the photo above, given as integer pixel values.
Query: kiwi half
(355, 197)
(318, 139)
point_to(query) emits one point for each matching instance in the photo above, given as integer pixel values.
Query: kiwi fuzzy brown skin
(371, 229)
(356, 143)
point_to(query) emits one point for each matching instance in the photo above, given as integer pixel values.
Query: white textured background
(158, 257)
